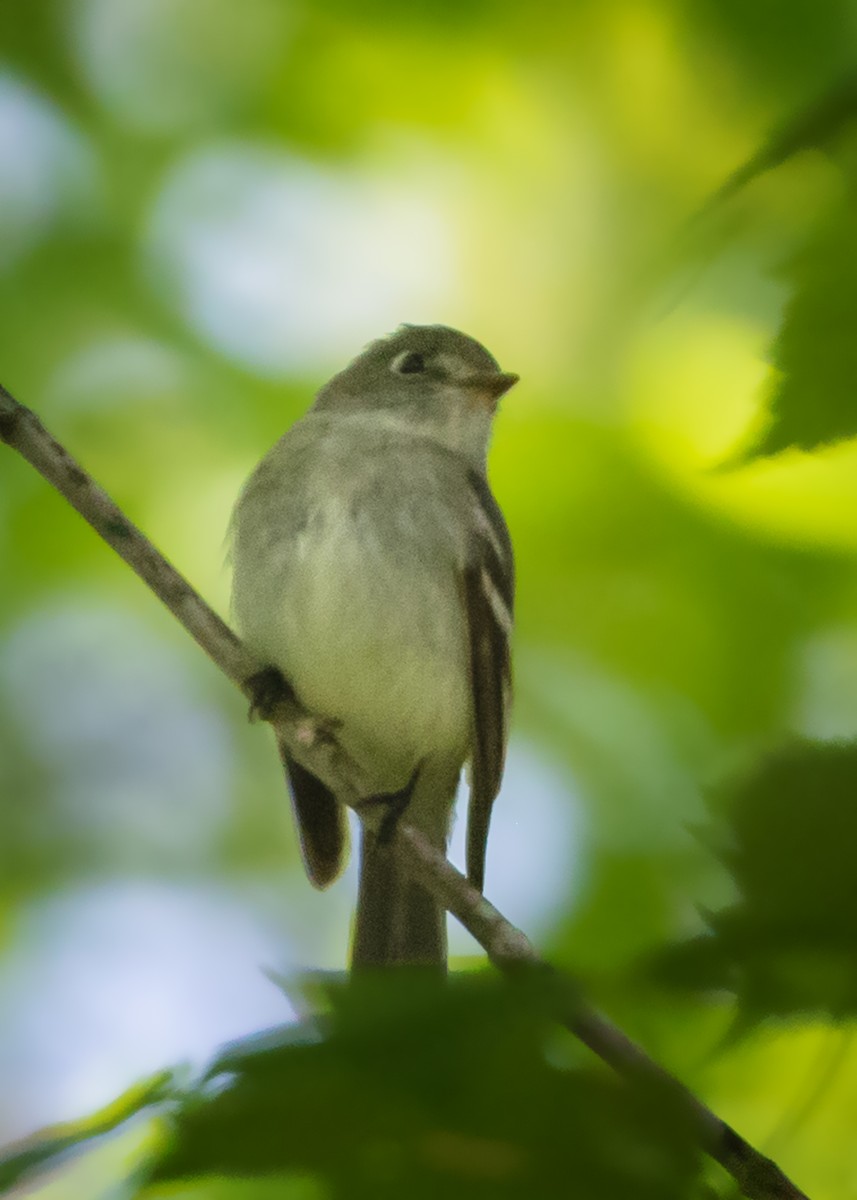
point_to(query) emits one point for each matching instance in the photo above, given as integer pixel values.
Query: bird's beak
(491, 386)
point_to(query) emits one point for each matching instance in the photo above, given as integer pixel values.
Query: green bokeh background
(205, 209)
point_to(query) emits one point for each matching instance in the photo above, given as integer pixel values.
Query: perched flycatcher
(373, 568)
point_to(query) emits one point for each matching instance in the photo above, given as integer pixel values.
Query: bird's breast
(360, 609)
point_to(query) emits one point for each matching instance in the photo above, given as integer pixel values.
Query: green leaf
(411, 1089)
(814, 400)
(813, 127)
(43, 1149)
(787, 946)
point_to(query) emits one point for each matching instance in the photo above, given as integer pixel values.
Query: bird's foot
(267, 689)
(315, 731)
(394, 804)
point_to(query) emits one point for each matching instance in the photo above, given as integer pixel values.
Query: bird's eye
(408, 363)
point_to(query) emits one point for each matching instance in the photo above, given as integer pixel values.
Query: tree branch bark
(311, 744)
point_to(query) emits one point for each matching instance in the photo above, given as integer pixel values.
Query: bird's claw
(267, 689)
(395, 804)
(314, 731)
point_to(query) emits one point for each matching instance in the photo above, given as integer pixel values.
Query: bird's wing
(321, 822)
(488, 584)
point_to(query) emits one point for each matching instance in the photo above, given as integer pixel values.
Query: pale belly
(375, 641)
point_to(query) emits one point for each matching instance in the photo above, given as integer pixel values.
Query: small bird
(373, 569)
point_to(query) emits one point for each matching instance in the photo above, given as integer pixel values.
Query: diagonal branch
(508, 948)
(306, 739)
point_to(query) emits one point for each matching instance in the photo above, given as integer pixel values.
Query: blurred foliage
(814, 401)
(646, 208)
(20, 1161)
(787, 946)
(473, 1105)
(469, 1106)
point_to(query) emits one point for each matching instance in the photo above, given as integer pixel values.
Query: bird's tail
(398, 922)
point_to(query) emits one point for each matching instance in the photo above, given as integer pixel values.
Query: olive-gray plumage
(373, 567)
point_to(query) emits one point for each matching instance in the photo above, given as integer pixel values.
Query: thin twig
(305, 737)
(507, 947)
